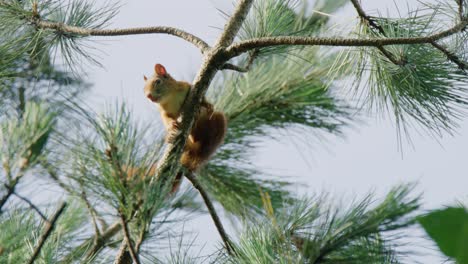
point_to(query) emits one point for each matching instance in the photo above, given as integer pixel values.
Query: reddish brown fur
(205, 137)
(209, 126)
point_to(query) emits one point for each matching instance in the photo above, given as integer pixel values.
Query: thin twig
(101, 241)
(92, 213)
(252, 56)
(128, 240)
(55, 177)
(374, 25)
(10, 191)
(234, 24)
(247, 45)
(196, 184)
(367, 18)
(63, 28)
(49, 227)
(229, 66)
(390, 56)
(450, 55)
(33, 206)
(140, 240)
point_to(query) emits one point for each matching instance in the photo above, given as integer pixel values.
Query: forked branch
(247, 45)
(8, 194)
(33, 206)
(128, 241)
(377, 27)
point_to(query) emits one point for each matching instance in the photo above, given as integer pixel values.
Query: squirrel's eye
(158, 81)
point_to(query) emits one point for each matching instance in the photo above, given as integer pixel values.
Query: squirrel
(209, 127)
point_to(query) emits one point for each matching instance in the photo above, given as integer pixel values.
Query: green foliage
(21, 231)
(269, 18)
(278, 93)
(18, 19)
(79, 13)
(311, 231)
(449, 229)
(423, 90)
(284, 92)
(108, 161)
(23, 141)
(113, 158)
(28, 71)
(239, 192)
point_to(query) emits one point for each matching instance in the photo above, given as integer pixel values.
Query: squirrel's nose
(151, 97)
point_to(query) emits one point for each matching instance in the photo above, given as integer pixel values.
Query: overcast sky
(366, 159)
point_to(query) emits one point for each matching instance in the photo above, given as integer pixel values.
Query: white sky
(368, 159)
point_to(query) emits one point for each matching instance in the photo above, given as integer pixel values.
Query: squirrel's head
(158, 85)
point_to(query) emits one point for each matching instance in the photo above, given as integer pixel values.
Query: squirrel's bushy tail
(202, 145)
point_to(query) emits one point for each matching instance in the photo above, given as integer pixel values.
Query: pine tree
(274, 66)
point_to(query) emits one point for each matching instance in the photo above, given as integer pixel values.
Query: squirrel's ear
(145, 78)
(160, 70)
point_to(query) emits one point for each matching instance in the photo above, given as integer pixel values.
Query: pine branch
(128, 242)
(49, 227)
(450, 55)
(196, 184)
(234, 24)
(67, 29)
(247, 45)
